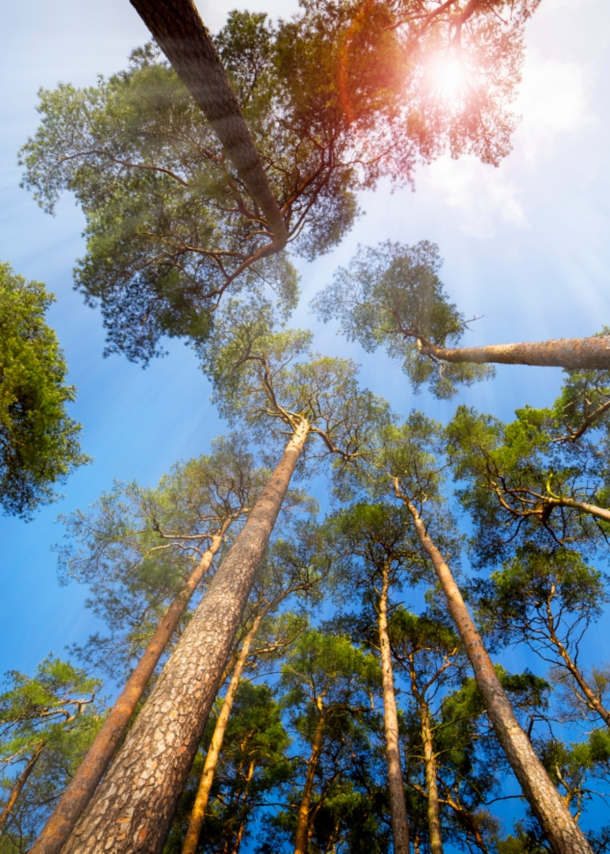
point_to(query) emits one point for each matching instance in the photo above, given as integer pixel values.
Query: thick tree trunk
(301, 843)
(133, 807)
(189, 846)
(546, 803)
(181, 34)
(591, 509)
(396, 788)
(18, 787)
(80, 791)
(434, 813)
(574, 353)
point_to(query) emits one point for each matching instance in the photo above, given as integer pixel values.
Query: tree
(316, 397)
(144, 553)
(391, 296)
(38, 441)
(326, 682)
(410, 466)
(47, 722)
(373, 551)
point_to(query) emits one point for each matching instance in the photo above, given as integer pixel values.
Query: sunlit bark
(301, 843)
(134, 805)
(434, 816)
(18, 787)
(545, 801)
(573, 353)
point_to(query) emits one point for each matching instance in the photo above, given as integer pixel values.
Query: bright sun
(446, 78)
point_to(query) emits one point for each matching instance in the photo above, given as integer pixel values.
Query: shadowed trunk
(133, 807)
(18, 787)
(80, 791)
(573, 353)
(301, 842)
(189, 846)
(396, 788)
(242, 824)
(181, 34)
(545, 801)
(434, 815)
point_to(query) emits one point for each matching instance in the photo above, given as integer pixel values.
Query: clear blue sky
(525, 245)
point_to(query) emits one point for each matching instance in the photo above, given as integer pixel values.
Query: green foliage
(391, 296)
(39, 442)
(56, 710)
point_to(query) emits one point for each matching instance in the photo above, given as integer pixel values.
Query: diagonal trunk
(18, 787)
(396, 788)
(545, 801)
(181, 34)
(189, 846)
(82, 786)
(434, 815)
(134, 805)
(591, 509)
(301, 843)
(572, 353)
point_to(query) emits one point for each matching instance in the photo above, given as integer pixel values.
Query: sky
(525, 245)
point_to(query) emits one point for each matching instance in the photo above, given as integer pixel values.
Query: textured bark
(80, 791)
(572, 353)
(133, 807)
(301, 843)
(434, 815)
(18, 787)
(189, 846)
(181, 34)
(396, 788)
(562, 832)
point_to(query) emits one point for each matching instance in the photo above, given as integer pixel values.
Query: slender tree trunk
(189, 846)
(242, 824)
(396, 787)
(133, 807)
(181, 34)
(18, 787)
(572, 353)
(591, 509)
(301, 842)
(434, 814)
(547, 804)
(82, 786)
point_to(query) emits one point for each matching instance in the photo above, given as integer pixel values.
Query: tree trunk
(80, 791)
(242, 824)
(301, 843)
(545, 801)
(573, 353)
(133, 807)
(396, 788)
(434, 815)
(18, 787)
(189, 846)
(591, 509)
(181, 34)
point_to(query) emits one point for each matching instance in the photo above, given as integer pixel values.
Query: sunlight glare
(447, 78)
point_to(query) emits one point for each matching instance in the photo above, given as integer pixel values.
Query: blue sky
(525, 246)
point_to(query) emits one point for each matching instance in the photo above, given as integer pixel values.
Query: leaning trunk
(18, 787)
(573, 353)
(545, 801)
(189, 846)
(396, 788)
(80, 791)
(183, 38)
(434, 813)
(134, 805)
(301, 842)
(591, 509)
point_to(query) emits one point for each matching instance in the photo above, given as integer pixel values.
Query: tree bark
(563, 834)
(82, 786)
(18, 787)
(189, 846)
(434, 814)
(573, 353)
(181, 34)
(591, 509)
(133, 807)
(242, 824)
(301, 842)
(396, 788)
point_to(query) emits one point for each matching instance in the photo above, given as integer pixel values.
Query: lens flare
(446, 78)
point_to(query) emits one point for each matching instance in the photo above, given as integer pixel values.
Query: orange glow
(446, 78)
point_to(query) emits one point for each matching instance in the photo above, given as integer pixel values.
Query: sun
(446, 78)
